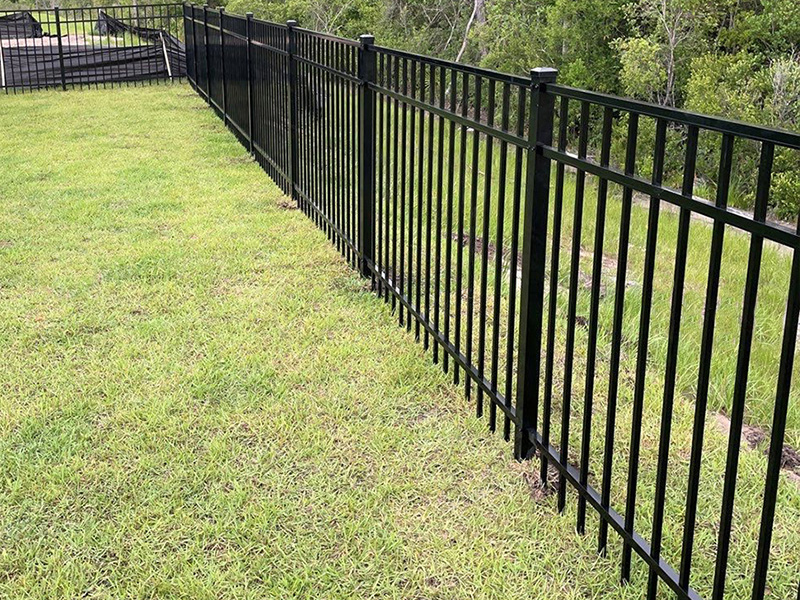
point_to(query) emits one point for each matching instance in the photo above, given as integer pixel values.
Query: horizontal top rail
(489, 73)
(327, 36)
(677, 115)
(228, 15)
(500, 134)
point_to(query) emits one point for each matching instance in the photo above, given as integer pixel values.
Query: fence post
(249, 31)
(367, 70)
(194, 45)
(222, 61)
(60, 49)
(205, 47)
(291, 48)
(534, 240)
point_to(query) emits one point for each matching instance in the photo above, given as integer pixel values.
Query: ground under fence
(96, 46)
(572, 260)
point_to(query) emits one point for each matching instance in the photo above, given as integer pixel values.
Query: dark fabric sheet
(108, 25)
(19, 25)
(38, 66)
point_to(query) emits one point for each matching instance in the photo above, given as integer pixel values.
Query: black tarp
(39, 66)
(108, 25)
(19, 25)
(36, 63)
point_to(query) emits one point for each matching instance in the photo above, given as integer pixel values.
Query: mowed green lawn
(200, 399)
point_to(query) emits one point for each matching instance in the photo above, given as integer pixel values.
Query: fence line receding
(503, 218)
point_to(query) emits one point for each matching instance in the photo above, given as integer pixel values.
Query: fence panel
(271, 131)
(236, 73)
(201, 52)
(548, 303)
(448, 224)
(327, 108)
(661, 325)
(214, 59)
(98, 46)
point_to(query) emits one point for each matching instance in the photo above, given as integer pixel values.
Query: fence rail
(90, 46)
(434, 180)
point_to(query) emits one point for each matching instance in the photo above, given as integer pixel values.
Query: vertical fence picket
(473, 216)
(57, 11)
(462, 175)
(207, 53)
(420, 163)
(412, 154)
(429, 203)
(291, 49)
(487, 194)
(194, 47)
(249, 58)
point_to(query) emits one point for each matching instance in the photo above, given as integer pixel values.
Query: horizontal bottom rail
(327, 220)
(613, 518)
(256, 146)
(459, 358)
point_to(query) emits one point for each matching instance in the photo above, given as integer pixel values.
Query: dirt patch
(479, 243)
(286, 204)
(609, 263)
(608, 270)
(790, 459)
(67, 41)
(529, 471)
(538, 490)
(757, 437)
(751, 435)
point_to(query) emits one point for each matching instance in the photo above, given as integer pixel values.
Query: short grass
(201, 400)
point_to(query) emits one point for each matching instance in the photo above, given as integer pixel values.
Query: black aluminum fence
(94, 46)
(457, 190)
